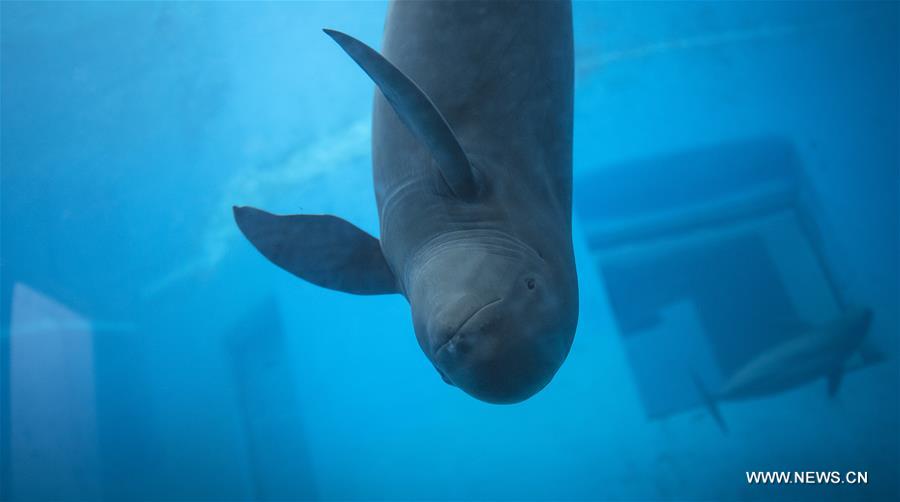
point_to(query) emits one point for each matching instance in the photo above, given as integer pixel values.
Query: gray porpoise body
(472, 168)
(819, 351)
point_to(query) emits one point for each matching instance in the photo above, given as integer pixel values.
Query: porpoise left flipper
(710, 401)
(322, 249)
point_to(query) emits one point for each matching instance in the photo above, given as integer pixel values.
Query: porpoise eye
(529, 283)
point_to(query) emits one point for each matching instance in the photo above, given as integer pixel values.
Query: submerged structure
(711, 258)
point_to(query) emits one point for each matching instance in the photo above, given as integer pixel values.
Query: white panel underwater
(735, 222)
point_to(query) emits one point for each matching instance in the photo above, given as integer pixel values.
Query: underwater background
(736, 183)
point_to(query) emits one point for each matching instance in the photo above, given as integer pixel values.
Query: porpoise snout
(451, 333)
(495, 321)
(493, 359)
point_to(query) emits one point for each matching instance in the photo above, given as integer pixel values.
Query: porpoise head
(494, 317)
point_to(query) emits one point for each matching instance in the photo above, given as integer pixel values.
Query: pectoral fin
(322, 249)
(417, 112)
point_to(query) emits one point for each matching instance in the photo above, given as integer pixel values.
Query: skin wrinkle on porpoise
(462, 324)
(471, 237)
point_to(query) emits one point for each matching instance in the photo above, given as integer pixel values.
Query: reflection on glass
(53, 431)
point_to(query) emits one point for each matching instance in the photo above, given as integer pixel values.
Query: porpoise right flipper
(324, 250)
(870, 353)
(416, 111)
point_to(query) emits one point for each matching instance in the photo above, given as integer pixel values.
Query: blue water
(148, 352)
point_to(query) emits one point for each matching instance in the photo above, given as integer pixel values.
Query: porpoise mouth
(463, 324)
